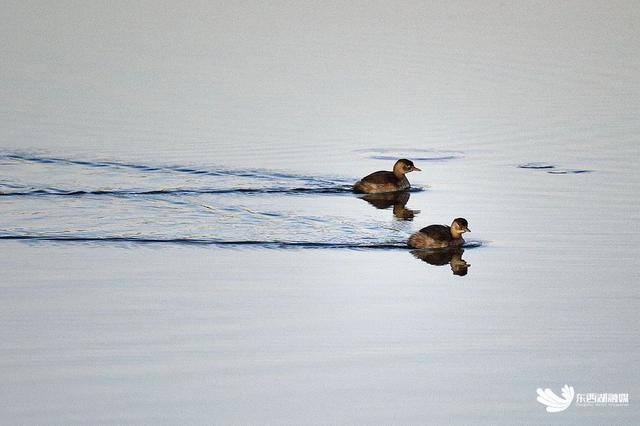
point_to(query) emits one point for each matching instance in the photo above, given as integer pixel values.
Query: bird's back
(381, 177)
(438, 232)
(380, 182)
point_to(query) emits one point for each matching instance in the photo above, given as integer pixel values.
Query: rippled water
(180, 243)
(64, 199)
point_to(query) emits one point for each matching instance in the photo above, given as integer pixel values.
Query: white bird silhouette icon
(553, 402)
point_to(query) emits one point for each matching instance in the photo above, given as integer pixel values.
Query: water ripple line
(256, 174)
(177, 191)
(214, 242)
(201, 242)
(551, 168)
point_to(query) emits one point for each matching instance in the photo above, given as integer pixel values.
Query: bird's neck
(456, 233)
(398, 172)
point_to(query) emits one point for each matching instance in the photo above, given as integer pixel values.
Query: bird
(385, 181)
(440, 236)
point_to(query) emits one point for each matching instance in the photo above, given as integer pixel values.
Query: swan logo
(554, 403)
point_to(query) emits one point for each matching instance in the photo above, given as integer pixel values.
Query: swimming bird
(440, 236)
(384, 181)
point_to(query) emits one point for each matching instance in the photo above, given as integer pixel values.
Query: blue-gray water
(179, 243)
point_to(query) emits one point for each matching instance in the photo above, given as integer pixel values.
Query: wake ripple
(254, 174)
(202, 242)
(180, 191)
(213, 242)
(68, 200)
(551, 168)
(414, 154)
(53, 176)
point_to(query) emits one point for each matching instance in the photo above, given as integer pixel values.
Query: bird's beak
(466, 229)
(414, 168)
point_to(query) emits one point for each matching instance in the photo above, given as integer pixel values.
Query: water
(180, 245)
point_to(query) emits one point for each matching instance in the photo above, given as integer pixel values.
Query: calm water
(180, 245)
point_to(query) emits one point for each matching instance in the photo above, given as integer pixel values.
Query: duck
(440, 236)
(385, 181)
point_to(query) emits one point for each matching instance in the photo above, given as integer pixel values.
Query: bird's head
(459, 226)
(404, 166)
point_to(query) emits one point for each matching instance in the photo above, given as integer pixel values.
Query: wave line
(186, 191)
(202, 242)
(257, 174)
(222, 243)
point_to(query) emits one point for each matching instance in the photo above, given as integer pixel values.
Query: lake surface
(180, 243)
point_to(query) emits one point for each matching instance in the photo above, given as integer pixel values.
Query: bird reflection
(396, 199)
(452, 257)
